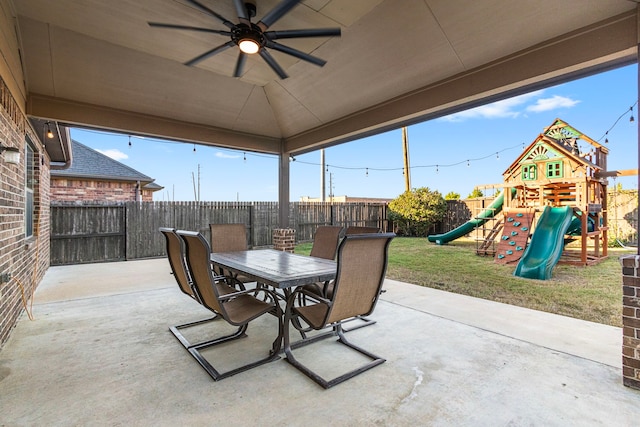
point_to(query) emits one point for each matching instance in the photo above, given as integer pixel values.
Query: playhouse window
(554, 170)
(528, 172)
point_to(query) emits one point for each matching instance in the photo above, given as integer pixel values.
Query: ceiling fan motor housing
(243, 32)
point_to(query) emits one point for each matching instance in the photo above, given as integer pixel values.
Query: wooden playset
(555, 171)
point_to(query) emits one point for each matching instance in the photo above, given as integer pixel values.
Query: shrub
(415, 211)
(452, 195)
(476, 193)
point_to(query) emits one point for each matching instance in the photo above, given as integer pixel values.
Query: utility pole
(322, 183)
(331, 187)
(196, 193)
(193, 181)
(405, 153)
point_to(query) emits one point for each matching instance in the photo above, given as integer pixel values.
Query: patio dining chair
(237, 308)
(325, 245)
(176, 257)
(325, 241)
(352, 229)
(326, 289)
(362, 263)
(229, 238)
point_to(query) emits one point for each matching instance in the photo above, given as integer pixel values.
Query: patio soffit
(98, 64)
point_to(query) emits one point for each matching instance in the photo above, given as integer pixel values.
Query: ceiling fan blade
(241, 10)
(273, 64)
(210, 53)
(242, 59)
(276, 13)
(297, 53)
(292, 34)
(205, 9)
(188, 27)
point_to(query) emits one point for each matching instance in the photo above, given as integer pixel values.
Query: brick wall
(631, 321)
(26, 259)
(71, 190)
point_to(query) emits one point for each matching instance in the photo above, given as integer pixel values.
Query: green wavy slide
(547, 243)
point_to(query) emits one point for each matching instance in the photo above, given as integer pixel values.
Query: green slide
(547, 243)
(470, 225)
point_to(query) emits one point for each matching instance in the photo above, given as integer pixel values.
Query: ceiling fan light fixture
(249, 45)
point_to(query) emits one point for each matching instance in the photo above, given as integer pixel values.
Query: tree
(475, 193)
(415, 211)
(451, 195)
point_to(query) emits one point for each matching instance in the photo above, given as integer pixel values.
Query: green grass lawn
(591, 293)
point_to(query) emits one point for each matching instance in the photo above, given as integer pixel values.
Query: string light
(497, 156)
(468, 164)
(631, 119)
(437, 170)
(244, 157)
(367, 172)
(129, 141)
(194, 147)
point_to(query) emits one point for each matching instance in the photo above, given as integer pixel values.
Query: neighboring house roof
(89, 163)
(152, 186)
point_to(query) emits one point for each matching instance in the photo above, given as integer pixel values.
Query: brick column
(284, 239)
(631, 321)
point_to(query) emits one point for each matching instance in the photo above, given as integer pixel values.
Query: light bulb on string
(437, 170)
(497, 156)
(631, 119)
(194, 147)
(129, 141)
(367, 173)
(244, 157)
(468, 164)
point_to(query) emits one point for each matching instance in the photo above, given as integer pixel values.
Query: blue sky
(453, 153)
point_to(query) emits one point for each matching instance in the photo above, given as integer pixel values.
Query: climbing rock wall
(515, 235)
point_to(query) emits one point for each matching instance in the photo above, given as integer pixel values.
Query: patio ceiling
(97, 63)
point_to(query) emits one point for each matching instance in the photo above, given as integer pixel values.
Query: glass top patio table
(279, 269)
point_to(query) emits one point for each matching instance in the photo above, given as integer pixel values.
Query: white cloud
(226, 156)
(556, 101)
(114, 153)
(499, 109)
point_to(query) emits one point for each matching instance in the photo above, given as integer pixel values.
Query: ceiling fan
(254, 38)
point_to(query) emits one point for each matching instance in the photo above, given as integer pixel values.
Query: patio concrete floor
(99, 353)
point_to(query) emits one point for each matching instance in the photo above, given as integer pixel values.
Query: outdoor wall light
(10, 155)
(49, 133)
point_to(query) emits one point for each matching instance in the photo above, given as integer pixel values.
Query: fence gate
(87, 233)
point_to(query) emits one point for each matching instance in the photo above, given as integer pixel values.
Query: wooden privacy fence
(113, 232)
(83, 233)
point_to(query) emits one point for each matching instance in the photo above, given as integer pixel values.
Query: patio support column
(283, 190)
(631, 287)
(631, 321)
